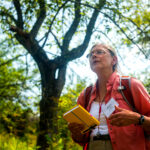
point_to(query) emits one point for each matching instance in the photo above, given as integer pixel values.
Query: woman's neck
(102, 81)
(103, 77)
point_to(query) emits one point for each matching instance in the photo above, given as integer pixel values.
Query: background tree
(27, 36)
(13, 101)
(146, 81)
(47, 29)
(67, 101)
(135, 24)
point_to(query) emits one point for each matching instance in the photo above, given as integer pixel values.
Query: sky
(128, 64)
(131, 64)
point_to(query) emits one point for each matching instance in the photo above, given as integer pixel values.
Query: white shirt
(94, 111)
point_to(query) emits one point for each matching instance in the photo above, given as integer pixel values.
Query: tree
(51, 85)
(133, 19)
(67, 101)
(29, 20)
(146, 81)
(147, 84)
(12, 80)
(12, 103)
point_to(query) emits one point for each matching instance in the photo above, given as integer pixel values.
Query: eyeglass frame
(101, 52)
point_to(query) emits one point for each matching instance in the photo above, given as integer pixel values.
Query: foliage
(132, 18)
(66, 102)
(147, 85)
(13, 143)
(144, 77)
(147, 81)
(13, 102)
(12, 81)
(16, 120)
(57, 32)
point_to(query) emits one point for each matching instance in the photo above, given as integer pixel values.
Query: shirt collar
(111, 78)
(94, 89)
(109, 82)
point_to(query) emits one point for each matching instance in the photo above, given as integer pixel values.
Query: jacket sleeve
(141, 97)
(81, 100)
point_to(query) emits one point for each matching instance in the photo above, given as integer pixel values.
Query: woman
(123, 129)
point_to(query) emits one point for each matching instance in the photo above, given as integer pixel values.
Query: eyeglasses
(97, 52)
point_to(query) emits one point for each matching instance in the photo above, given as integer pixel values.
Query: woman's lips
(95, 62)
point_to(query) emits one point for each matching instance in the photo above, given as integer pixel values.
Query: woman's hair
(111, 51)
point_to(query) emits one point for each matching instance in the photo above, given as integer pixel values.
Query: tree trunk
(52, 86)
(48, 122)
(51, 90)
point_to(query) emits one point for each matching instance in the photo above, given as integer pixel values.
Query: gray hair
(111, 51)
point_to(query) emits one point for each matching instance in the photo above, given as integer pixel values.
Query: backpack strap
(125, 90)
(87, 95)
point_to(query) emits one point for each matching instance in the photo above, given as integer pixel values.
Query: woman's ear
(115, 60)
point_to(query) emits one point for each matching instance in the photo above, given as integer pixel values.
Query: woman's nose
(94, 54)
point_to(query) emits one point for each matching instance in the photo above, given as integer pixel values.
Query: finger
(118, 109)
(75, 127)
(114, 116)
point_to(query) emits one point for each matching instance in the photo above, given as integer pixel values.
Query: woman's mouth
(95, 62)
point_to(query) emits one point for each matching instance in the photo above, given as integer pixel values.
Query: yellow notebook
(80, 115)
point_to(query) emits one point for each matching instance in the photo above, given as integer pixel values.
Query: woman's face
(101, 59)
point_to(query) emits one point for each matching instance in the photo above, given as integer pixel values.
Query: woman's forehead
(99, 47)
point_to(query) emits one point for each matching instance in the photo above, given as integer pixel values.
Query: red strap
(86, 146)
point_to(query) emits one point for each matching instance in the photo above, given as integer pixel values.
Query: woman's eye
(99, 52)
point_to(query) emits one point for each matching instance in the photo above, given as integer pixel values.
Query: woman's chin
(96, 69)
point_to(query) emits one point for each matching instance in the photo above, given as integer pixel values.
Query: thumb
(118, 109)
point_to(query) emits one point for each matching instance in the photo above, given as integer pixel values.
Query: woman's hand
(76, 129)
(124, 117)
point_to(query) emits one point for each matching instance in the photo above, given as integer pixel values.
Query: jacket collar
(109, 82)
(108, 86)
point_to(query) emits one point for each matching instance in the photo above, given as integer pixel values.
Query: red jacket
(128, 137)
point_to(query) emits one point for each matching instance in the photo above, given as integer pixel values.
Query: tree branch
(33, 47)
(3, 54)
(56, 40)
(69, 34)
(19, 31)
(78, 51)
(8, 97)
(9, 61)
(10, 85)
(124, 33)
(51, 53)
(19, 14)
(117, 12)
(39, 20)
(47, 34)
(2, 13)
(118, 27)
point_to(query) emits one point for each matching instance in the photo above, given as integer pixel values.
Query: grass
(10, 142)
